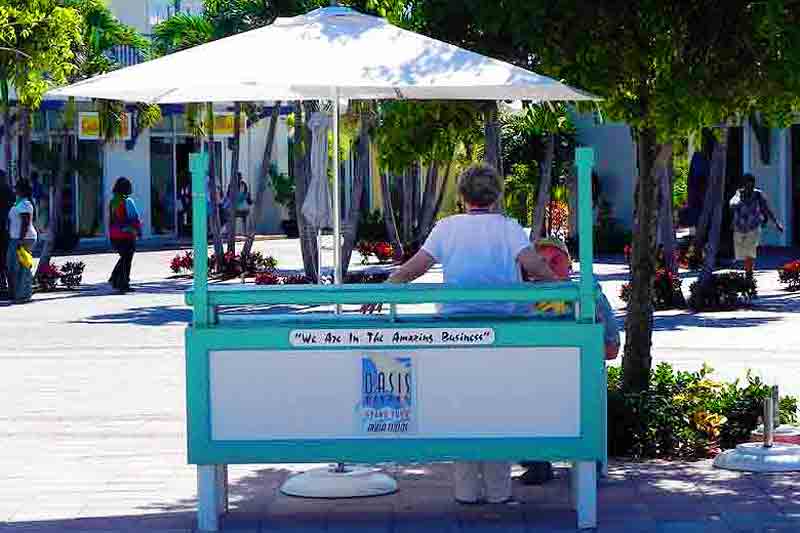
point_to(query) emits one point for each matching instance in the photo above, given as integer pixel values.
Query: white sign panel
(437, 392)
(392, 337)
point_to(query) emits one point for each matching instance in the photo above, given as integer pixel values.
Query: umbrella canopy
(364, 57)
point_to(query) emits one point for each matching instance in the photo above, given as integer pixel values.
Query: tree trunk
(7, 140)
(545, 184)
(56, 206)
(25, 143)
(302, 173)
(214, 188)
(716, 191)
(263, 176)
(492, 152)
(361, 175)
(637, 360)
(572, 194)
(389, 218)
(666, 224)
(406, 206)
(233, 184)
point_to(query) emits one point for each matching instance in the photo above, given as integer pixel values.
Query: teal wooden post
(198, 164)
(584, 158)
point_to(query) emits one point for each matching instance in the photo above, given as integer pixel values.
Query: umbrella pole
(337, 224)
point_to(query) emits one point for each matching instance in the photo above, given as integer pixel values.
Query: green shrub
(685, 414)
(725, 291)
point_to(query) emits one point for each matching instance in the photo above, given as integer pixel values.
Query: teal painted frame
(509, 333)
(207, 334)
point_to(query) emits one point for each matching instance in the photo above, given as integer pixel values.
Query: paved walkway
(92, 428)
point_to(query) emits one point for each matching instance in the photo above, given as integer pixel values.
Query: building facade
(776, 168)
(156, 160)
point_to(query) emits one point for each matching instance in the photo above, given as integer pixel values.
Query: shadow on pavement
(690, 320)
(159, 315)
(647, 496)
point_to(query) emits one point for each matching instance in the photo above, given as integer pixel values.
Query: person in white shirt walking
(22, 235)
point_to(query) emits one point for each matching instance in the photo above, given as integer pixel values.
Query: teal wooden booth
(325, 387)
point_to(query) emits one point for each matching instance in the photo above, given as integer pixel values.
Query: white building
(155, 160)
(779, 178)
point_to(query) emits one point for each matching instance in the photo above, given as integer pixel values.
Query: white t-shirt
(20, 208)
(478, 249)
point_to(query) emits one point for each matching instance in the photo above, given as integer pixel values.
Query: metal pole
(769, 421)
(337, 223)
(584, 158)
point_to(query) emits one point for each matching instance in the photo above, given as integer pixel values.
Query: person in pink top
(125, 227)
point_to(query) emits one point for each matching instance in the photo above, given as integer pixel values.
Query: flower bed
(667, 293)
(381, 250)
(272, 277)
(69, 275)
(789, 275)
(725, 292)
(233, 266)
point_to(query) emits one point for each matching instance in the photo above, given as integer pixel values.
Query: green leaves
(412, 131)
(37, 39)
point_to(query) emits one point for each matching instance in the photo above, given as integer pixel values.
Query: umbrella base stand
(785, 433)
(755, 457)
(340, 482)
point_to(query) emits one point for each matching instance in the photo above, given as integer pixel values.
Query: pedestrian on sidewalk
(7, 198)
(751, 212)
(243, 203)
(125, 227)
(22, 237)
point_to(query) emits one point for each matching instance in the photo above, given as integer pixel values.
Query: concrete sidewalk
(92, 425)
(668, 497)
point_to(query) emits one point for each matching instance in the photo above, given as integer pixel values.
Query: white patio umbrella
(328, 53)
(317, 205)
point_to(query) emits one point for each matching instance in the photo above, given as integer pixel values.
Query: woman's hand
(411, 270)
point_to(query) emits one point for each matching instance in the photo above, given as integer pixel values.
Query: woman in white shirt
(22, 234)
(480, 247)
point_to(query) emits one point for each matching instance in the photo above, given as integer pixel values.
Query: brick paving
(92, 428)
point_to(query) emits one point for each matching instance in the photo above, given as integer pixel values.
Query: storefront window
(162, 186)
(90, 189)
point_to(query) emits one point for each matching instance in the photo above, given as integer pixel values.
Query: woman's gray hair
(479, 185)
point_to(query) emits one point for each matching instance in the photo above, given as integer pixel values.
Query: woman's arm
(25, 218)
(768, 211)
(411, 270)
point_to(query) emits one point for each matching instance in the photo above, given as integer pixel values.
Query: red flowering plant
(182, 263)
(667, 293)
(383, 251)
(789, 275)
(268, 277)
(365, 248)
(48, 277)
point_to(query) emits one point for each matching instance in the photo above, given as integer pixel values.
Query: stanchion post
(584, 159)
(769, 421)
(198, 167)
